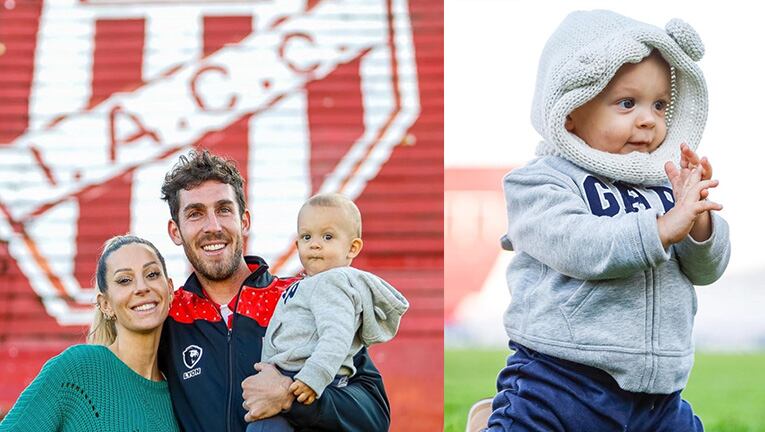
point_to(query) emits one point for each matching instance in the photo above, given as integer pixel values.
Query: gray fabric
(580, 59)
(601, 290)
(322, 321)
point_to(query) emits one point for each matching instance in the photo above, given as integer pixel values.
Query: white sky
(492, 48)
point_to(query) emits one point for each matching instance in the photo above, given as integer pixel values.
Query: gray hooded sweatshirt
(591, 281)
(322, 321)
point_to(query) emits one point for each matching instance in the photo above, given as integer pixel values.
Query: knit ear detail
(686, 37)
(584, 69)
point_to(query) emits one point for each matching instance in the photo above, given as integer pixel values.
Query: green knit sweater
(87, 388)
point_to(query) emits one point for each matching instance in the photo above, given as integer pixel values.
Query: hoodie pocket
(608, 313)
(676, 301)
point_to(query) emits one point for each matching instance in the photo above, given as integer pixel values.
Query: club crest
(191, 355)
(299, 108)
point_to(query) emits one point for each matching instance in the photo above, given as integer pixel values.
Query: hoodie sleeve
(549, 220)
(704, 262)
(333, 306)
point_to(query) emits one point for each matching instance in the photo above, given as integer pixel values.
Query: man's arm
(360, 406)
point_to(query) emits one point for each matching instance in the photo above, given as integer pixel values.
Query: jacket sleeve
(550, 220)
(704, 262)
(37, 408)
(360, 406)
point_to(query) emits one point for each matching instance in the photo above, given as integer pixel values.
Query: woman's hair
(102, 330)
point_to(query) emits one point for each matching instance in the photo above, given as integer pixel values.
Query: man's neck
(221, 292)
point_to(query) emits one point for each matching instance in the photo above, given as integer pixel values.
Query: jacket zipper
(230, 344)
(230, 374)
(651, 282)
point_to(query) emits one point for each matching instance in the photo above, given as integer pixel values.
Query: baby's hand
(690, 192)
(304, 394)
(690, 160)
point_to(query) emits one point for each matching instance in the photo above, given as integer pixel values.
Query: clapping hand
(690, 183)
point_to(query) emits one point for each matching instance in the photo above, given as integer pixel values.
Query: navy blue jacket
(205, 363)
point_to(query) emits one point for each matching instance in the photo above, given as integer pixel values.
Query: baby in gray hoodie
(610, 234)
(323, 320)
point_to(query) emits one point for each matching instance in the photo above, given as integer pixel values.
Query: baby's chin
(311, 271)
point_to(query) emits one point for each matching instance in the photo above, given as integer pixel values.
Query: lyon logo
(307, 96)
(191, 356)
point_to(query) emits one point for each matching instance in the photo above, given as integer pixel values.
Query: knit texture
(87, 388)
(580, 59)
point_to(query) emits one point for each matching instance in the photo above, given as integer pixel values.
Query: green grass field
(726, 390)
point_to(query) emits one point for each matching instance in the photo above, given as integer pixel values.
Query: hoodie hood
(578, 62)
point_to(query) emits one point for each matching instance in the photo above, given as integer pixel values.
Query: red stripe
(18, 41)
(105, 209)
(117, 57)
(335, 118)
(222, 30)
(335, 122)
(233, 141)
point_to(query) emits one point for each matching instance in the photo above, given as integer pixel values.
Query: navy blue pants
(536, 392)
(279, 423)
(271, 424)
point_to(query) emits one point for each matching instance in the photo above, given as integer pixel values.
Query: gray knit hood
(578, 62)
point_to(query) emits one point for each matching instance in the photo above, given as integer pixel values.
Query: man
(213, 334)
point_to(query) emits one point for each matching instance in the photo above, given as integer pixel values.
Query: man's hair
(196, 168)
(341, 202)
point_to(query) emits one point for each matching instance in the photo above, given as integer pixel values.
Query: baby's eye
(626, 103)
(327, 237)
(305, 237)
(660, 105)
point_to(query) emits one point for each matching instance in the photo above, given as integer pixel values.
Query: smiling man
(213, 335)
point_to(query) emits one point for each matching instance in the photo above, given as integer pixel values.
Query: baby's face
(629, 114)
(325, 239)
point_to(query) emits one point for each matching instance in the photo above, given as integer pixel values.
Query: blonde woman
(114, 382)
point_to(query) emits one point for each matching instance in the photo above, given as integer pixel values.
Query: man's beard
(217, 271)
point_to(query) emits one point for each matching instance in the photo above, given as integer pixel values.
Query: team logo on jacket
(191, 356)
(300, 108)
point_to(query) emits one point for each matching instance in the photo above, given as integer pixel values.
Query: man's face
(210, 229)
(629, 114)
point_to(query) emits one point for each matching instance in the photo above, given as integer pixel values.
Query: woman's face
(138, 293)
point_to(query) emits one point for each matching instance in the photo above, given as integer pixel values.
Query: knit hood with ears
(580, 59)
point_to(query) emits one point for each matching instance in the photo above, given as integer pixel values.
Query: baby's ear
(569, 124)
(356, 245)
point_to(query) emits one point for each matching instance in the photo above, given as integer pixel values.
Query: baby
(610, 236)
(323, 320)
